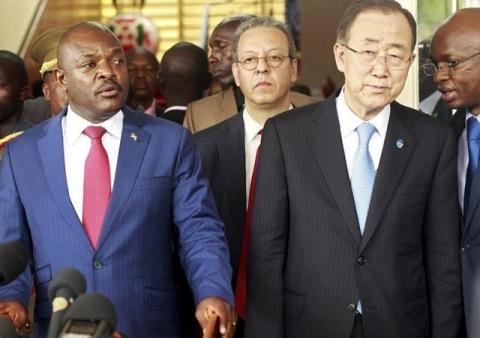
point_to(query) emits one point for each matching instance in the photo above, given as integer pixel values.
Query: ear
(236, 75)
(60, 78)
(160, 81)
(46, 91)
(412, 59)
(24, 92)
(293, 70)
(339, 53)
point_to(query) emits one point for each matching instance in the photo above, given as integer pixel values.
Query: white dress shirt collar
(75, 125)
(349, 121)
(252, 127)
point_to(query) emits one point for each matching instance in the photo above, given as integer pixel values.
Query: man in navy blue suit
(455, 53)
(155, 185)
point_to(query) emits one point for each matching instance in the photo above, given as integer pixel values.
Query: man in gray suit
(265, 66)
(355, 226)
(455, 52)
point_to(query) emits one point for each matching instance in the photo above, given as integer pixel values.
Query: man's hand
(17, 313)
(212, 307)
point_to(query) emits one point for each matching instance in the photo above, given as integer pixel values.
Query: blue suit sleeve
(13, 226)
(203, 248)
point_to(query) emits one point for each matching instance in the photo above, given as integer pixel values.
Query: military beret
(44, 49)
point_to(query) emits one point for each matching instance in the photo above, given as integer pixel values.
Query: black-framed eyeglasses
(370, 57)
(431, 68)
(273, 61)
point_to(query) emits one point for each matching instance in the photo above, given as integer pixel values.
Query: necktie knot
(365, 132)
(94, 132)
(473, 129)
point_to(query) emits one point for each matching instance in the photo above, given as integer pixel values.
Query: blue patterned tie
(363, 173)
(473, 140)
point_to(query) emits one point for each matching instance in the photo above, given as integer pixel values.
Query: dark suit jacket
(223, 159)
(470, 245)
(158, 184)
(309, 263)
(174, 115)
(211, 110)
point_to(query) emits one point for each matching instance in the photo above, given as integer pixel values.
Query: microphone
(65, 286)
(14, 258)
(7, 330)
(91, 316)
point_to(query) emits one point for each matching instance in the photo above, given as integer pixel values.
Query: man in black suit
(355, 226)
(265, 66)
(183, 78)
(455, 54)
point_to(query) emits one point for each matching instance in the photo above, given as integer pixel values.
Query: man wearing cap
(44, 53)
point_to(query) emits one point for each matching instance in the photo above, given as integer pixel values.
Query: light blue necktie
(473, 140)
(363, 173)
(363, 177)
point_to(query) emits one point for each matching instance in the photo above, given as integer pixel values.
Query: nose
(440, 74)
(105, 70)
(262, 65)
(379, 68)
(213, 57)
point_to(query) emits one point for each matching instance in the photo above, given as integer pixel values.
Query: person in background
(213, 109)
(44, 53)
(264, 68)
(184, 77)
(455, 52)
(356, 223)
(14, 91)
(104, 189)
(143, 70)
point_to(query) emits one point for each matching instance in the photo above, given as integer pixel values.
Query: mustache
(108, 85)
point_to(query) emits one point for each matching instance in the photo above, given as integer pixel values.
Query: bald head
(92, 71)
(81, 34)
(455, 49)
(184, 68)
(221, 49)
(143, 73)
(186, 60)
(465, 19)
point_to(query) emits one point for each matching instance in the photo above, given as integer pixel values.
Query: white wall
(16, 18)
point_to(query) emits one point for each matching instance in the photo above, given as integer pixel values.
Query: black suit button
(362, 260)
(351, 307)
(466, 247)
(97, 265)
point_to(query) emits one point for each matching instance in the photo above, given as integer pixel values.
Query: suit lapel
(231, 150)
(457, 123)
(391, 167)
(326, 142)
(133, 145)
(51, 151)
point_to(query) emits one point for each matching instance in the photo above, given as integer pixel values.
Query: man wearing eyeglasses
(264, 67)
(455, 53)
(355, 223)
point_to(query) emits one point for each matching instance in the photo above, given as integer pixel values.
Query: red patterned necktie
(96, 185)
(241, 285)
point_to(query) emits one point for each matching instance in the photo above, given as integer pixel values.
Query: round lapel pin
(399, 143)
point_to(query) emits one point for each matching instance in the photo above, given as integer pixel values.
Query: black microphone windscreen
(69, 279)
(14, 258)
(7, 330)
(92, 307)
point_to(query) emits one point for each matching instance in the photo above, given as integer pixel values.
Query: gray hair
(240, 18)
(384, 6)
(268, 22)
